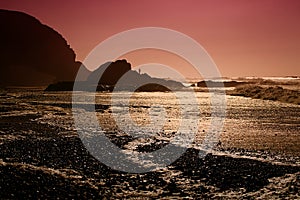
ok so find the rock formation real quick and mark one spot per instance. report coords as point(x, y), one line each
point(32, 53)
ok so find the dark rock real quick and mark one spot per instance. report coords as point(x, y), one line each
point(218, 83)
point(227, 172)
point(268, 93)
point(109, 73)
point(60, 86)
point(118, 76)
point(32, 53)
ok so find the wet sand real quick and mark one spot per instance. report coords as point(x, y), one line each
point(43, 157)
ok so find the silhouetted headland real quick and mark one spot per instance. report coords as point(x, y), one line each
point(119, 76)
point(33, 54)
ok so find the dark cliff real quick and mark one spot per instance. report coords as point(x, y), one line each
point(32, 53)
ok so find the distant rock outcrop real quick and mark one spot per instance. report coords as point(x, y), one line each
point(32, 53)
point(119, 76)
point(268, 93)
point(210, 83)
point(109, 73)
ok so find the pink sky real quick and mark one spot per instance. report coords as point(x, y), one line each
point(244, 38)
